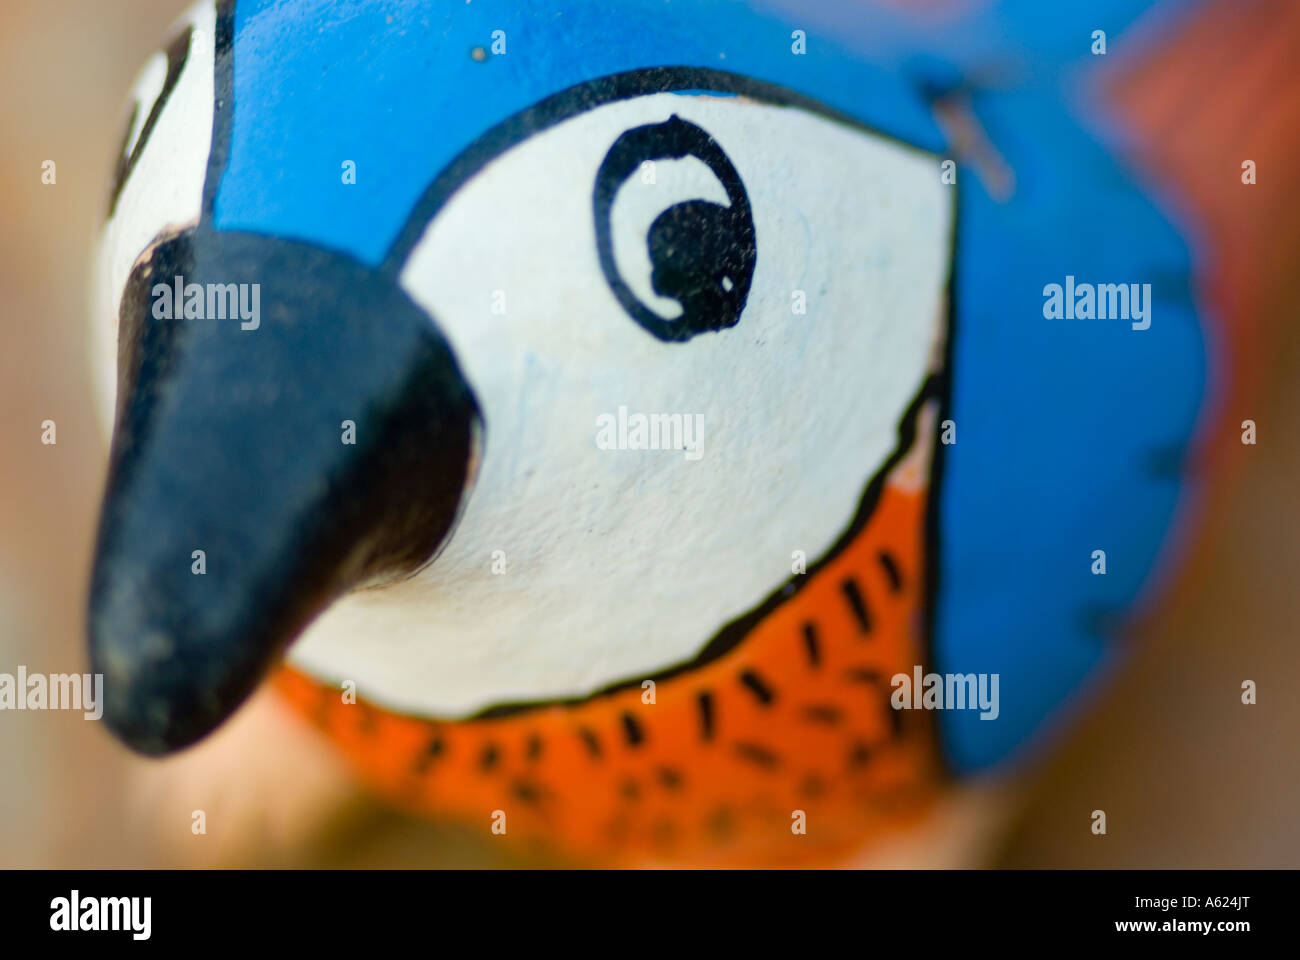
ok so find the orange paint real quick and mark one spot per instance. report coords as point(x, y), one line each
point(827, 742)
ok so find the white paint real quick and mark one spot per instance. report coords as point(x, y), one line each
point(144, 94)
point(164, 192)
point(622, 563)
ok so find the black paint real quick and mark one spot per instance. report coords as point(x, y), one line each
point(590, 740)
point(755, 685)
point(632, 731)
point(705, 703)
point(178, 52)
point(702, 253)
point(812, 646)
point(546, 114)
point(853, 594)
point(890, 566)
point(758, 754)
point(229, 441)
point(670, 778)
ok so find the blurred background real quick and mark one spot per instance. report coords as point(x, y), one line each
point(1187, 775)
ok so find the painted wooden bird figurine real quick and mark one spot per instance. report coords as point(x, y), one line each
point(677, 432)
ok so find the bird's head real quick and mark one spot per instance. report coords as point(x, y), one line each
point(495, 354)
point(526, 404)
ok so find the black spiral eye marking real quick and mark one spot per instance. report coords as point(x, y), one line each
point(702, 253)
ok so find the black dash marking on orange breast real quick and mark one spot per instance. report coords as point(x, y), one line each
point(857, 604)
point(890, 566)
point(757, 754)
point(859, 754)
point(491, 754)
point(863, 675)
point(866, 675)
point(670, 778)
point(431, 752)
point(811, 644)
point(589, 738)
point(812, 786)
point(757, 687)
point(527, 792)
point(632, 730)
point(826, 713)
point(534, 749)
point(631, 790)
point(705, 701)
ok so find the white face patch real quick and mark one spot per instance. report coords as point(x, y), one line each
point(164, 189)
point(622, 562)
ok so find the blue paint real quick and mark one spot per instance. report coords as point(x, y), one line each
point(1061, 424)
point(318, 82)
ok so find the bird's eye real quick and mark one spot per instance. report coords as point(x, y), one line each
point(152, 90)
point(701, 253)
point(720, 258)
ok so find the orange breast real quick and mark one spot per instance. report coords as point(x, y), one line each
point(791, 725)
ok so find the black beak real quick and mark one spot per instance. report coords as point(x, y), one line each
point(231, 440)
